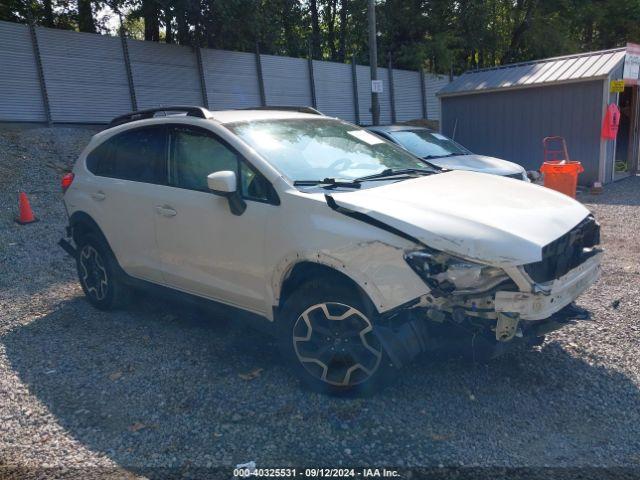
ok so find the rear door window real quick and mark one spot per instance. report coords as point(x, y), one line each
point(139, 155)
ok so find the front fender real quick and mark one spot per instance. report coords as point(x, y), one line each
point(379, 269)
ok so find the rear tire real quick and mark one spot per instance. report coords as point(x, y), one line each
point(99, 274)
point(326, 336)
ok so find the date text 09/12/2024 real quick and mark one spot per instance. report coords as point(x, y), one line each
point(315, 472)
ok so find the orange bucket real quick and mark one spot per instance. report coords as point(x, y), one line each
point(562, 176)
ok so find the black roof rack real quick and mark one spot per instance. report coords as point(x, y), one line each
point(287, 108)
point(191, 111)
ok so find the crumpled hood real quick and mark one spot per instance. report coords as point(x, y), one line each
point(478, 163)
point(494, 220)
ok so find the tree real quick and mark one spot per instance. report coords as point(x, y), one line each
point(329, 21)
point(47, 10)
point(151, 15)
point(316, 47)
point(168, 21)
point(342, 38)
point(86, 22)
point(523, 15)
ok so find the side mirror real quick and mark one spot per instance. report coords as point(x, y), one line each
point(225, 184)
point(222, 183)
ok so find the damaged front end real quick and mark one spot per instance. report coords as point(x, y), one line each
point(446, 275)
point(491, 308)
point(414, 332)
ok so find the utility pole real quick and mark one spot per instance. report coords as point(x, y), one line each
point(373, 60)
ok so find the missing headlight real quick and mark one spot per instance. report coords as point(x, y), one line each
point(445, 274)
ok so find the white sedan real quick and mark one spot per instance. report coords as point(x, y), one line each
point(443, 152)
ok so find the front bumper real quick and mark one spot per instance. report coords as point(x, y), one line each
point(562, 291)
point(529, 316)
point(417, 335)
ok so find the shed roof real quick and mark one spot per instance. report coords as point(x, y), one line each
point(549, 71)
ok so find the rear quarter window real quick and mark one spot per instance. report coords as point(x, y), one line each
point(98, 157)
point(138, 155)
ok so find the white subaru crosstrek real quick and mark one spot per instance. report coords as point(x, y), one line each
point(357, 253)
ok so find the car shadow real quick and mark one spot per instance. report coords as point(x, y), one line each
point(164, 385)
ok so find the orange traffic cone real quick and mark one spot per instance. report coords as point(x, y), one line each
point(26, 215)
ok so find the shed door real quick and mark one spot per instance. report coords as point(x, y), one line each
point(627, 140)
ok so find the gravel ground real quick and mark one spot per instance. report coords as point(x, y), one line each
point(162, 385)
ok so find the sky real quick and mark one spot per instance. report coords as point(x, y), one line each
point(112, 22)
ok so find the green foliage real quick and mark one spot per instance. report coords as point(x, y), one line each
point(437, 35)
point(134, 27)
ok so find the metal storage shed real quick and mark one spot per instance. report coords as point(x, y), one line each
point(506, 111)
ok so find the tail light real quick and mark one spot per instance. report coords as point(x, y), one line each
point(66, 181)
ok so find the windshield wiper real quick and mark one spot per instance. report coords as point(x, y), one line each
point(394, 172)
point(443, 156)
point(327, 183)
point(355, 183)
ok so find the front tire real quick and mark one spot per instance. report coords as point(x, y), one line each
point(328, 337)
point(99, 275)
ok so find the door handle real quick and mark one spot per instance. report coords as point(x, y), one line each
point(99, 195)
point(166, 211)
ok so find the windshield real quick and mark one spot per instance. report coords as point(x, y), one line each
point(315, 149)
point(426, 144)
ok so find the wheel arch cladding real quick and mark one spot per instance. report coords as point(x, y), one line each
point(82, 223)
point(301, 272)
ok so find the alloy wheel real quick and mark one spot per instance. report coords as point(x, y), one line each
point(93, 274)
point(335, 343)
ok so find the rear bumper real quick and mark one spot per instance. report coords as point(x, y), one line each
point(562, 291)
